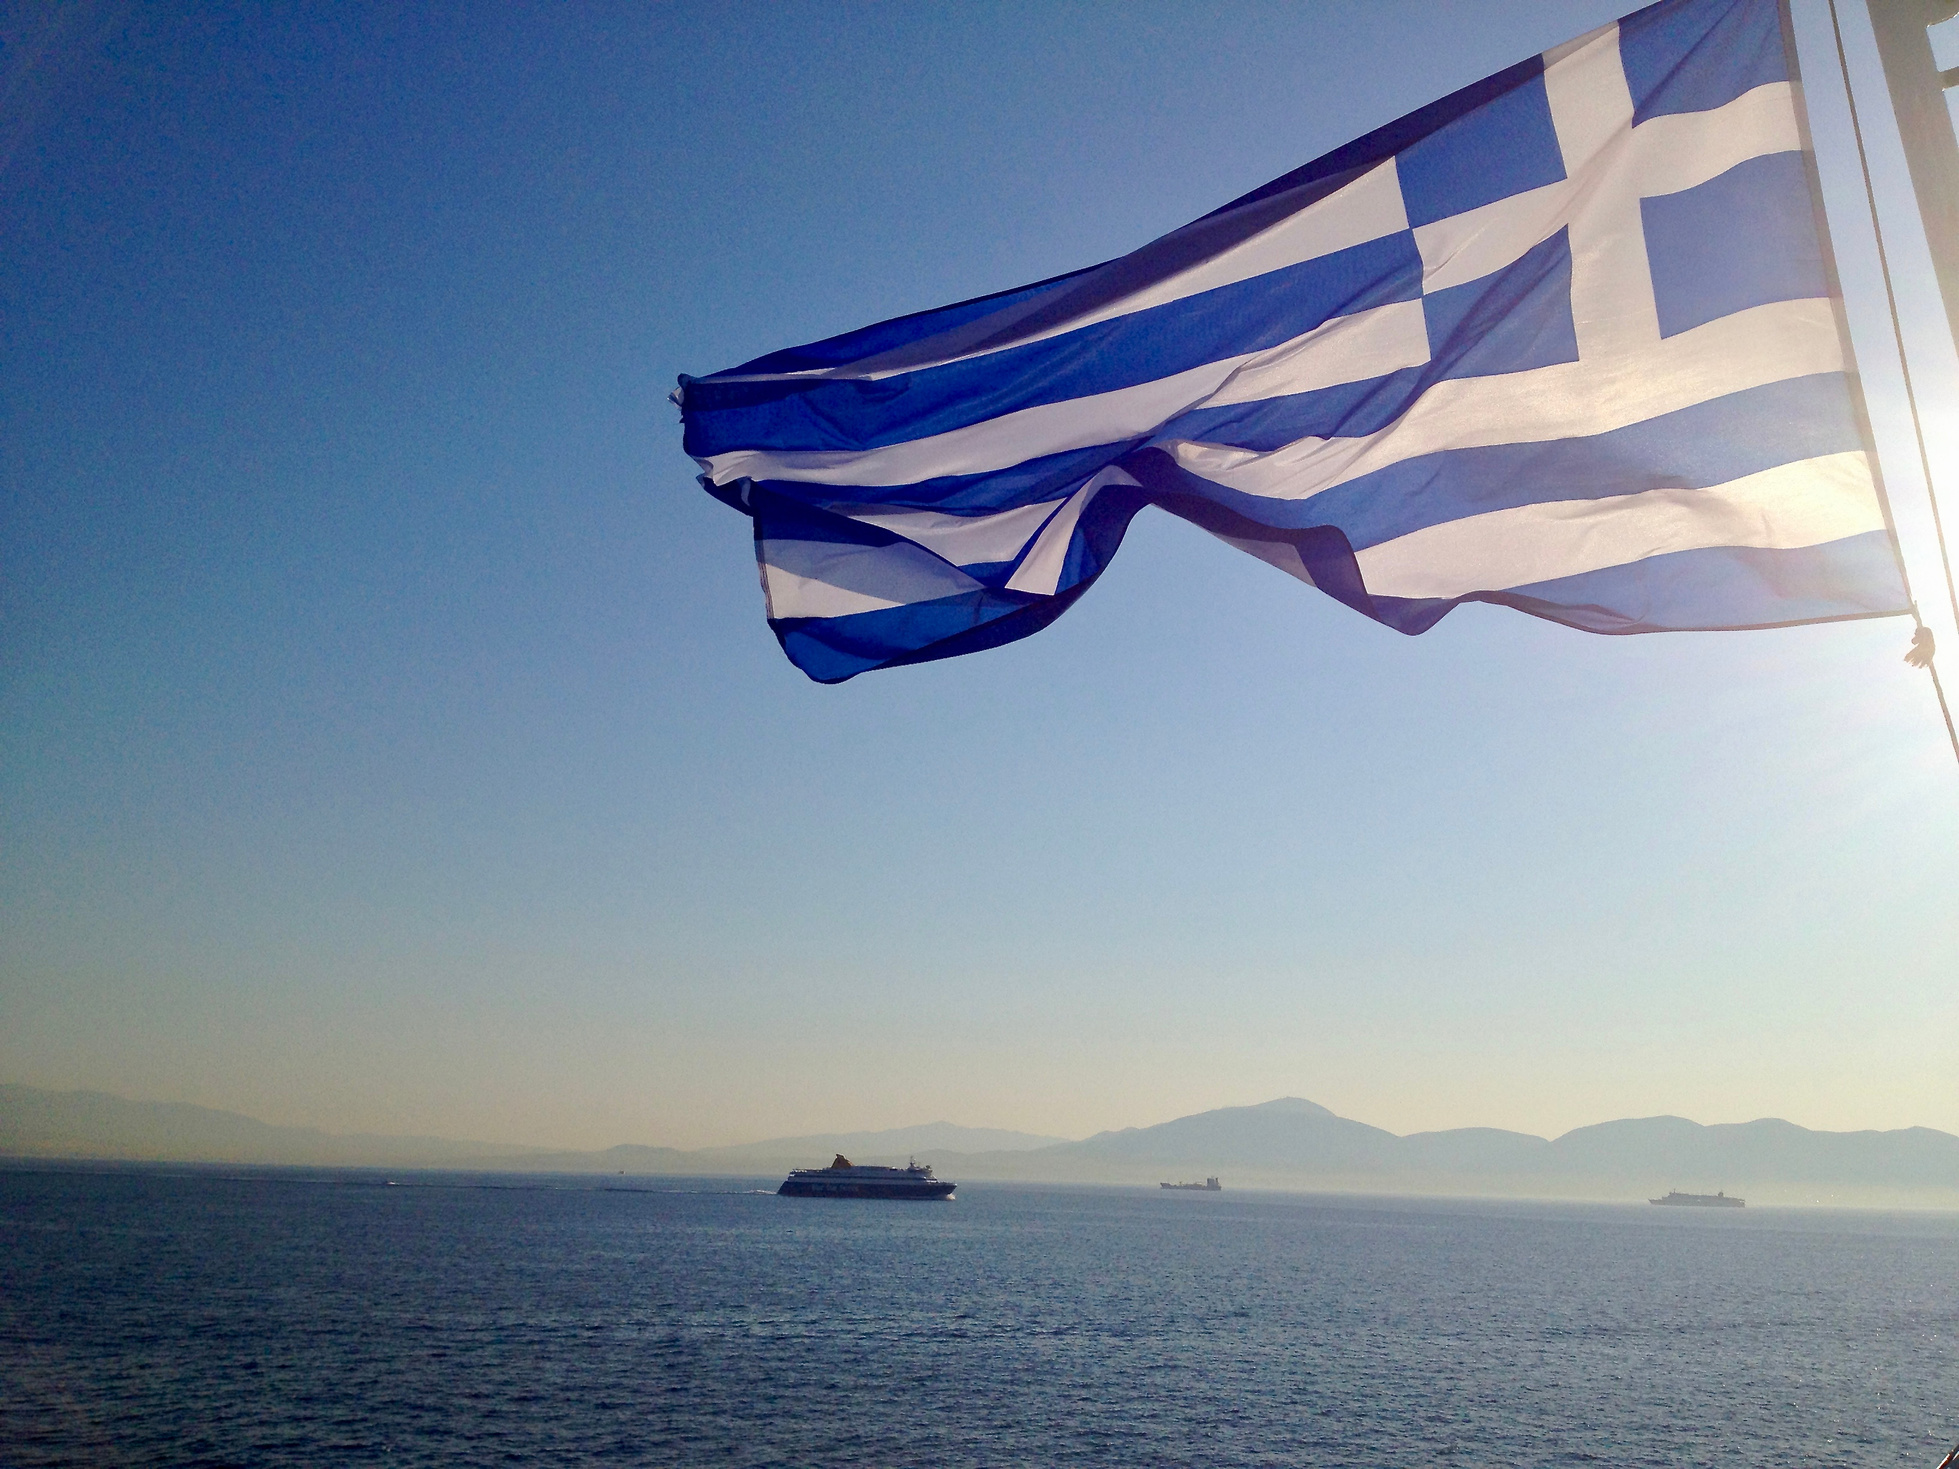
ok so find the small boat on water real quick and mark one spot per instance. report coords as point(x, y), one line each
point(844, 1179)
point(1699, 1201)
point(1208, 1186)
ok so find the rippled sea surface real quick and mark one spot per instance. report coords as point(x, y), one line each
point(152, 1316)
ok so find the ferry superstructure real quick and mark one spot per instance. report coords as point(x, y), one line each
point(844, 1179)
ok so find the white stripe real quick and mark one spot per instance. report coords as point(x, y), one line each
point(1683, 150)
point(1479, 242)
point(1346, 349)
point(790, 595)
point(1041, 571)
point(1793, 505)
point(964, 540)
point(829, 579)
point(1764, 344)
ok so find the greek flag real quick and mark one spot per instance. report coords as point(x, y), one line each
point(1568, 340)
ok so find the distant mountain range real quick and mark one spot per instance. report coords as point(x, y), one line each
point(1288, 1143)
point(47, 1124)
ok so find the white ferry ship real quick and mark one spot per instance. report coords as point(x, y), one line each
point(844, 1179)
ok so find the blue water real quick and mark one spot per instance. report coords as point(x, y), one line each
point(181, 1317)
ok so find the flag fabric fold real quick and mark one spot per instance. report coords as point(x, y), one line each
point(1568, 340)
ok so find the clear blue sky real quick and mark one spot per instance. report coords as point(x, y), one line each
point(390, 737)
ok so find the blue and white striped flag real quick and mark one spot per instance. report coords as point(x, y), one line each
point(1568, 340)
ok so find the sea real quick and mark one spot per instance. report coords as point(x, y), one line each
point(211, 1317)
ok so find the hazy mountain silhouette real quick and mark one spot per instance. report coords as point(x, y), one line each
point(1290, 1133)
point(926, 1137)
point(84, 1124)
point(1290, 1143)
point(1767, 1148)
point(778, 1155)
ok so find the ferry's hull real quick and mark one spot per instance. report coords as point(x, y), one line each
point(859, 1188)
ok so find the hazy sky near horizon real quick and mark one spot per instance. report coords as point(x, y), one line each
point(391, 740)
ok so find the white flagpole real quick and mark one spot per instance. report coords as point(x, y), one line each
point(1932, 138)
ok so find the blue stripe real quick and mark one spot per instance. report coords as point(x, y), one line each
point(832, 649)
point(1723, 587)
point(1693, 55)
point(781, 516)
point(1743, 238)
point(1350, 410)
point(1246, 316)
point(1515, 319)
point(1706, 444)
point(1512, 320)
point(1716, 588)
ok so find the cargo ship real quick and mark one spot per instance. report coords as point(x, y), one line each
point(844, 1179)
point(1700, 1201)
point(1208, 1186)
